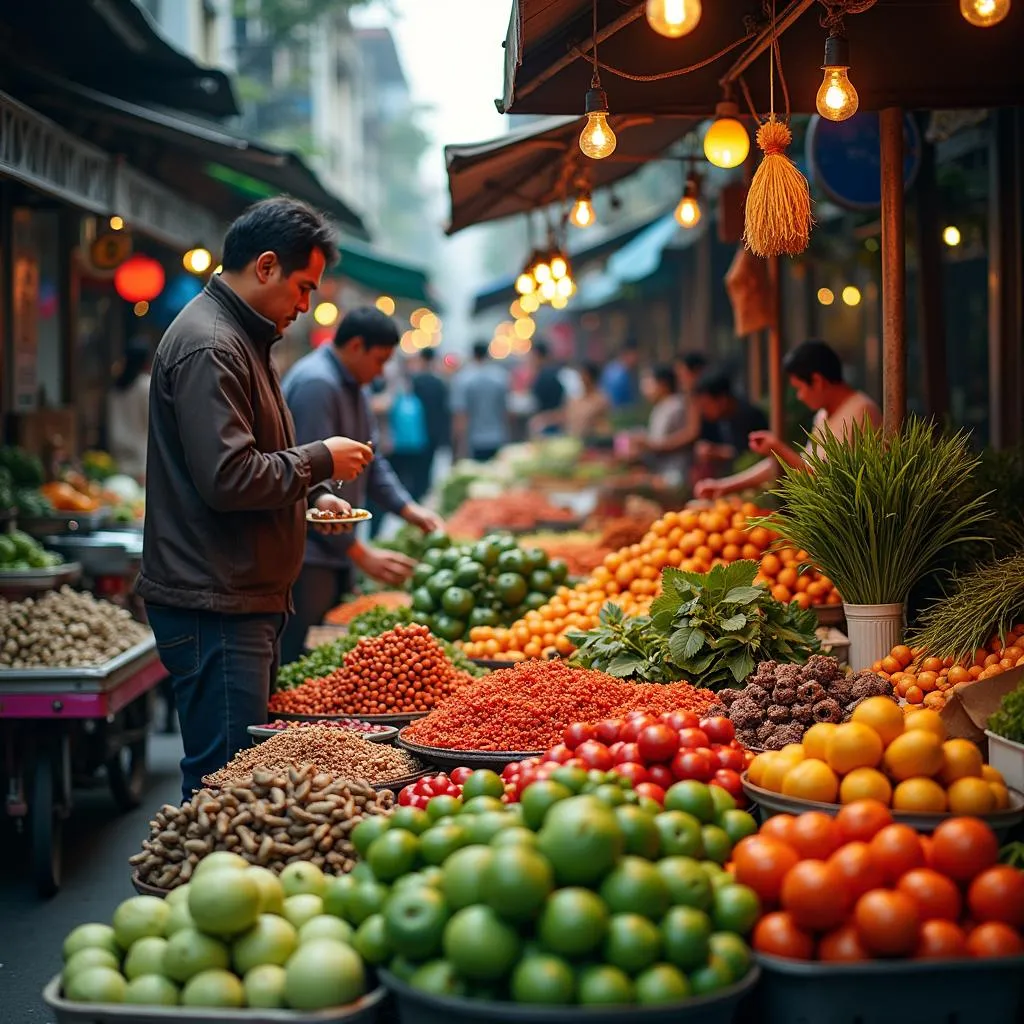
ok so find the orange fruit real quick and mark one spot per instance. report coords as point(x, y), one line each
point(916, 752)
point(854, 745)
point(928, 721)
point(865, 784)
point(782, 594)
point(1002, 795)
point(881, 714)
point(919, 795)
point(902, 654)
point(777, 770)
point(932, 665)
point(811, 779)
point(816, 740)
point(757, 768)
point(990, 774)
point(788, 577)
point(960, 759)
point(971, 796)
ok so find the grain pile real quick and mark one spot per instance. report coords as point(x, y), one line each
point(335, 751)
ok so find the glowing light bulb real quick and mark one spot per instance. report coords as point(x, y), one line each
point(851, 295)
point(548, 290)
point(825, 296)
point(197, 261)
point(582, 213)
point(688, 211)
point(542, 273)
point(559, 302)
point(726, 142)
point(951, 235)
point(116, 223)
point(525, 284)
point(529, 303)
point(564, 287)
point(673, 18)
point(984, 13)
point(559, 268)
point(386, 304)
point(837, 99)
point(597, 140)
point(325, 314)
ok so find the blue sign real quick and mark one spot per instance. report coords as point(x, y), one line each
point(845, 158)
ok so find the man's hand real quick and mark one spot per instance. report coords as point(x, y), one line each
point(423, 518)
point(708, 489)
point(332, 503)
point(384, 566)
point(764, 442)
point(704, 450)
point(350, 457)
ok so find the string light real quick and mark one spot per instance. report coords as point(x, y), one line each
point(529, 303)
point(564, 288)
point(325, 314)
point(542, 273)
point(951, 235)
point(688, 211)
point(826, 296)
point(116, 223)
point(673, 18)
point(597, 140)
point(851, 295)
point(559, 302)
point(525, 284)
point(386, 305)
point(548, 290)
point(837, 99)
point(559, 267)
point(582, 213)
point(984, 13)
point(197, 261)
point(726, 142)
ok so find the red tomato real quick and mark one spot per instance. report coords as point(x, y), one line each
point(459, 775)
point(634, 725)
point(856, 868)
point(994, 939)
point(693, 738)
point(997, 894)
point(814, 835)
point(577, 733)
point(626, 753)
point(730, 781)
point(560, 752)
point(718, 728)
point(607, 730)
point(762, 863)
point(405, 797)
point(651, 792)
point(842, 946)
point(683, 720)
point(576, 762)
point(936, 896)
point(615, 747)
point(727, 757)
point(595, 755)
point(660, 775)
point(777, 934)
point(963, 847)
point(689, 764)
point(511, 770)
point(420, 801)
point(636, 773)
point(814, 895)
point(896, 850)
point(888, 923)
point(779, 826)
point(658, 743)
point(940, 940)
point(862, 820)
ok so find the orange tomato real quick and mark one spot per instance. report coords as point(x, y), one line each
point(815, 835)
point(963, 847)
point(994, 939)
point(777, 934)
point(862, 820)
point(940, 940)
point(813, 894)
point(887, 923)
point(936, 896)
point(896, 850)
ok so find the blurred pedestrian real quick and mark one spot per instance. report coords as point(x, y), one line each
point(479, 403)
point(128, 410)
point(433, 391)
point(667, 418)
point(547, 388)
point(584, 415)
point(727, 423)
point(619, 379)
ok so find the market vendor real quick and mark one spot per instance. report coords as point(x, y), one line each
point(816, 375)
point(327, 391)
point(227, 487)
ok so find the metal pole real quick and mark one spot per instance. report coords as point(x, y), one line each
point(894, 271)
point(776, 389)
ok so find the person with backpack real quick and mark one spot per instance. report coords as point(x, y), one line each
point(330, 386)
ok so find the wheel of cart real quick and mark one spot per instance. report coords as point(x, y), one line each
point(127, 743)
point(49, 804)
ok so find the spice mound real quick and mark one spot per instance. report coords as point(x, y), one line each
point(271, 818)
point(335, 751)
point(529, 706)
point(781, 702)
point(401, 671)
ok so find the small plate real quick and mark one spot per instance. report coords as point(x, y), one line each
point(359, 515)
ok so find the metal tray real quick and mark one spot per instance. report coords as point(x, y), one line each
point(775, 803)
point(444, 758)
point(261, 732)
point(363, 1011)
point(397, 720)
point(492, 664)
point(66, 522)
point(34, 580)
point(98, 677)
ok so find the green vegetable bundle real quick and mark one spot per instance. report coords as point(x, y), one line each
point(1008, 721)
point(26, 470)
point(711, 629)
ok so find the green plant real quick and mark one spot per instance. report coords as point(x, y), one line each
point(1008, 721)
point(876, 513)
point(712, 629)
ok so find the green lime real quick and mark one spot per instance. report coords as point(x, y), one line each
point(634, 885)
point(326, 927)
point(483, 616)
point(303, 907)
point(694, 798)
point(432, 875)
point(443, 806)
point(469, 574)
point(337, 891)
point(717, 875)
point(90, 956)
point(411, 819)
point(712, 977)
point(96, 985)
point(688, 884)
point(737, 824)
point(151, 990)
point(536, 558)
point(437, 540)
point(572, 922)
point(517, 882)
point(367, 830)
point(190, 952)
point(515, 836)
point(271, 940)
point(735, 908)
point(559, 570)
point(264, 987)
point(301, 878)
point(480, 945)
point(486, 553)
point(323, 973)
point(448, 628)
point(371, 941)
point(457, 602)
point(365, 899)
point(542, 581)
point(632, 943)
point(439, 583)
point(717, 844)
point(272, 892)
point(513, 561)
point(686, 932)
point(642, 837)
point(213, 988)
point(483, 782)
point(611, 794)
point(680, 834)
point(482, 828)
point(464, 873)
point(393, 854)
point(661, 984)
point(423, 600)
point(543, 979)
point(414, 880)
point(538, 798)
point(481, 804)
point(731, 950)
point(723, 801)
point(534, 601)
point(441, 841)
point(570, 776)
point(582, 840)
point(414, 922)
point(510, 589)
point(362, 872)
point(603, 985)
point(421, 574)
point(437, 978)
point(143, 916)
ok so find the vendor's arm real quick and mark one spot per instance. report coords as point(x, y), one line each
point(763, 472)
point(764, 442)
point(384, 487)
point(682, 438)
point(390, 567)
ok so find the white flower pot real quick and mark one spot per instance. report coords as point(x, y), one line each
point(874, 630)
point(1007, 757)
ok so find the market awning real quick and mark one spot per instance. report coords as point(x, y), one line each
point(194, 156)
point(915, 55)
point(377, 272)
point(540, 164)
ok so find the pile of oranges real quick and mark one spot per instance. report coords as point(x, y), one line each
point(924, 680)
point(903, 761)
point(692, 540)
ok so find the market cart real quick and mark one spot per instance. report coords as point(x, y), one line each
point(56, 724)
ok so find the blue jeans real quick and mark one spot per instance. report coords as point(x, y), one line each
point(221, 668)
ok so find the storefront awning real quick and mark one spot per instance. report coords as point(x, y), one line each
point(373, 270)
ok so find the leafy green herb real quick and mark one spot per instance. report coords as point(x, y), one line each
point(711, 629)
point(1008, 721)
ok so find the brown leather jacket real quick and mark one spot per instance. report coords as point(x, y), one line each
point(226, 485)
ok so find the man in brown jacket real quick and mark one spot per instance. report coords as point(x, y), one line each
point(227, 488)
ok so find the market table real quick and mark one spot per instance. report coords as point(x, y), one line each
point(54, 720)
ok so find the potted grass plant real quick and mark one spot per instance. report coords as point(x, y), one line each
point(876, 513)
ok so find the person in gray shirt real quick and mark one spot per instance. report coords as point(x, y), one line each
point(479, 404)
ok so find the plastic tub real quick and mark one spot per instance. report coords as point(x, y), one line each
point(1008, 758)
point(415, 1007)
point(873, 629)
point(892, 992)
point(362, 1011)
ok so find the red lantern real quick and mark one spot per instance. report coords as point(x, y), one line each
point(139, 279)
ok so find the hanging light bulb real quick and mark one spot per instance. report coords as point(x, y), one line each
point(559, 266)
point(548, 290)
point(688, 211)
point(525, 283)
point(726, 142)
point(984, 13)
point(837, 98)
point(542, 271)
point(565, 287)
point(582, 213)
point(673, 18)
point(597, 140)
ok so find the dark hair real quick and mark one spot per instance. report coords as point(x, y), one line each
point(136, 358)
point(428, 354)
point(591, 370)
point(715, 384)
point(666, 376)
point(284, 226)
point(376, 329)
point(480, 349)
point(693, 361)
point(541, 349)
point(813, 357)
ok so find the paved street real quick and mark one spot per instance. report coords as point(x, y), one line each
point(97, 844)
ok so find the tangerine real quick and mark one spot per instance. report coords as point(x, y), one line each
point(816, 740)
point(811, 779)
point(960, 759)
point(865, 784)
point(925, 721)
point(854, 745)
point(971, 796)
point(922, 795)
point(881, 714)
point(915, 752)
